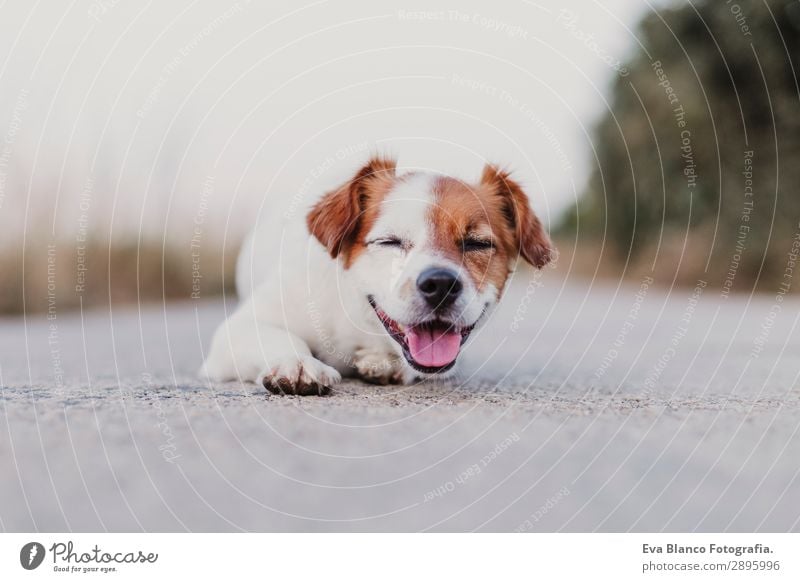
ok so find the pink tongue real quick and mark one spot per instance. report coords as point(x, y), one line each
point(433, 348)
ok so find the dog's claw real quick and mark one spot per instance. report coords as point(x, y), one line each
point(300, 376)
point(287, 388)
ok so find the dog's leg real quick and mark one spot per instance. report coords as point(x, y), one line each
point(243, 349)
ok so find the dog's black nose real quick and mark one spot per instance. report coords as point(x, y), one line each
point(440, 287)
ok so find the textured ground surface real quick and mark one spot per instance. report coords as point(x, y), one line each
point(598, 410)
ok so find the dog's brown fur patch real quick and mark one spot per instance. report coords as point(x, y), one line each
point(342, 217)
point(531, 241)
point(461, 211)
point(495, 209)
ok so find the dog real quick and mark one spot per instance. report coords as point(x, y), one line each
point(385, 279)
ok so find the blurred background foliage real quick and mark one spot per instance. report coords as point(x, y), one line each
point(734, 69)
point(43, 276)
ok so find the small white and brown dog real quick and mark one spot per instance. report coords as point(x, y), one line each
point(384, 280)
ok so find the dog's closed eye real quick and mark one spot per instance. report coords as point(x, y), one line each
point(388, 241)
point(470, 244)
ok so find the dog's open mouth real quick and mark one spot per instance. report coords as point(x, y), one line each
point(430, 346)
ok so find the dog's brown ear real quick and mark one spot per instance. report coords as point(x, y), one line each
point(335, 218)
point(532, 242)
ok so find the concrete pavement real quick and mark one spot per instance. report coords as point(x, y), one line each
point(580, 408)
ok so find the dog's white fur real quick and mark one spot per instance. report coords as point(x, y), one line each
point(304, 318)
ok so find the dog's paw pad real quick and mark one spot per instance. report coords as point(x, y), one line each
point(302, 376)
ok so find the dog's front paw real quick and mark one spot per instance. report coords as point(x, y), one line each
point(301, 375)
point(378, 366)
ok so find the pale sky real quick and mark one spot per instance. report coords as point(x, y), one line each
point(160, 112)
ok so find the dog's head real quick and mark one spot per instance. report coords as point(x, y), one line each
point(431, 254)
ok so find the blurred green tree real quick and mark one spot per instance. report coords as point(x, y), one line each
point(702, 145)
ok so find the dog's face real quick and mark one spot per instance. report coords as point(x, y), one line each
point(431, 254)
